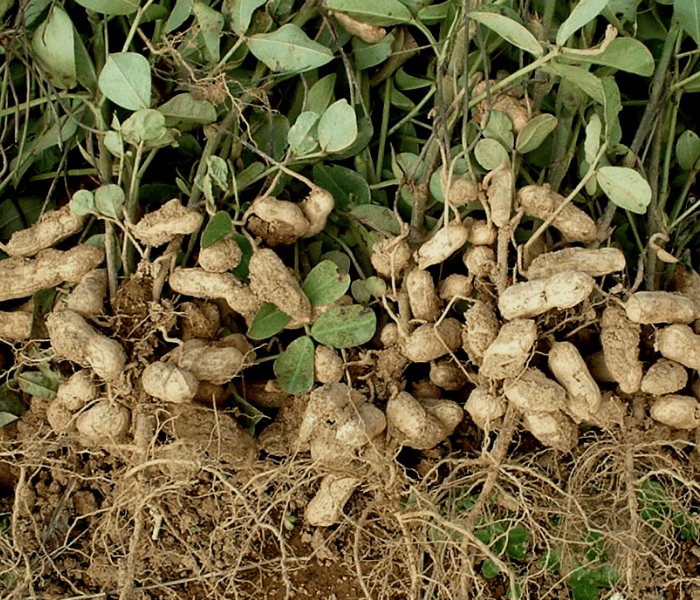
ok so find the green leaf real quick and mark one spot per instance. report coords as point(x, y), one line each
point(217, 169)
point(294, 368)
point(242, 13)
point(83, 203)
point(248, 175)
point(321, 94)
point(325, 284)
point(535, 132)
point(380, 218)
point(374, 12)
point(268, 321)
point(509, 30)
point(289, 49)
point(688, 149)
point(359, 291)
point(518, 538)
point(184, 110)
point(585, 81)
point(11, 401)
point(500, 128)
point(210, 23)
point(84, 67)
point(7, 418)
point(347, 186)
point(241, 271)
point(591, 144)
point(490, 569)
point(179, 14)
point(345, 326)
point(126, 80)
point(407, 82)
point(490, 154)
point(111, 7)
point(53, 44)
point(584, 12)
point(217, 229)
point(337, 128)
point(688, 14)
point(626, 54)
point(144, 126)
point(583, 585)
point(109, 200)
point(625, 187)
point(38, 384)
point(302, 136)
point(370, 55)
point(114, 143)
point(364, 289)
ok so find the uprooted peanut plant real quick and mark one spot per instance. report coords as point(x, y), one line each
point(349, 299)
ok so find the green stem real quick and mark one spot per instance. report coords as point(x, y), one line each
point(135, 25)
point(513, 77)
point(229, 54)
point(388, 86)
point(657, 88)
point(663, 190)
point(684, 82)
point(414, 111)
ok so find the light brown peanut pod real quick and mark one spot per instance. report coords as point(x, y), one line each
point(480, 261)
point(421, 425)
point(455, 285)
point(533, 391)
point(481, 233)
point(570, 370)
point(15, 326)
point(198, 283)
point(679, 343)
point(507, 355)
point(447, 375)
point(221, 256)
point(442, 245)
point(209, 362)
point(620, 340)
point(370, 34)
point(593, 262)
point(165, 381)
point(422, 296)
point(462, 191)
point(104, 420)
point(664, 377)
point(429, 342)
point(326, 507)
point(77, 391)
point(660, 307)
point(541, 202)
point(74, 339)
point(163, 225)
point(316, 208)
point(485, 408)
point(553, 429)
point(532, 298)
point(281, 214)
point(87, 298)
point(54, 226)
point(271, 281)
point(22, 277)
point(499, 191)
point(391, 257)
point(480, 331)
point(328, 366)
point(674, 410)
